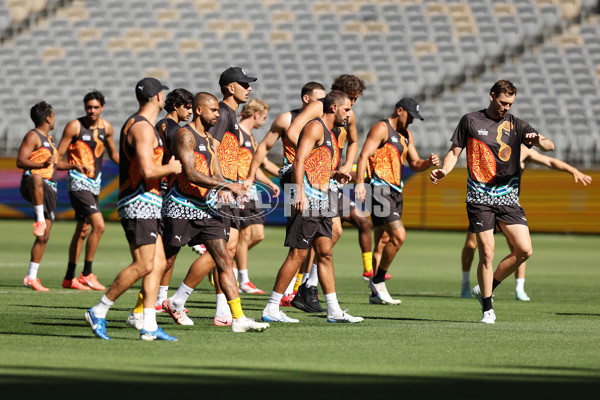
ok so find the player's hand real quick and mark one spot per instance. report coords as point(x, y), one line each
point(532, 138)
point(50, 161)
point(247, 183)
point(274, 188)
point(359, 192)
point(352, 176)
point(300, 201)
point(583, 178)
point(241, 200)
point(346, 170)
point(341, 177)
point(225, 196)
point(433, 159)
point(81, 168)
point(436, 175)
point(237, 188)
point(175, 165)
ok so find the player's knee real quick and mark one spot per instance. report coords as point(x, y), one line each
point(43, 239)
point(260, 236)
point(397, 238)
point(487, 256)
point(37, 179)
point(297, 255)
point(363, 224)
point(85, 231)
point(337, 230)
point(471, 245)
point(469, 249)
point(99, 228)
point(524, 253)
point(146, 268)
point(336, 236)
point(326, 258)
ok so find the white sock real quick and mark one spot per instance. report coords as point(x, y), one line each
point(181, 296)
point(305, 276)
point(243, 274)
point(223, 309)
point(39, 213)
point(333, 307)
point(273, 304)
point(313, 278)
point(101, 309)
point(465, 277)
point(150, 324)
point(163, 293)
point(290, 289)
point(235, 273)
point(33, 269)
point(520, 284)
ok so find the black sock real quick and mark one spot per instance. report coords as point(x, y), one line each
point(495, 284)
point(380, 276)
point(87, 268)
point(70, 271)
point(487, 303)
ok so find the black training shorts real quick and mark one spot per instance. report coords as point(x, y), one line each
point(251, 215)
point(85, 203)
point(50, 198)
point(179, 232)
point(387, 206)
point(140, 232)
point(301, 231)
point(483, 217)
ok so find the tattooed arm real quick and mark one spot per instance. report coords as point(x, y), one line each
point(184, 150)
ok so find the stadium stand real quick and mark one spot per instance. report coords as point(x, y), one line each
point(444, 53)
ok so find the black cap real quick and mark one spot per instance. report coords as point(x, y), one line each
point(149, 87)
point(234, 74)
point(410, 105)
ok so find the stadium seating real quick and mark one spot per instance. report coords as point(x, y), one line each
point(444, 53)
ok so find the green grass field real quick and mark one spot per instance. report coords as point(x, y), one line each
point(430, 346)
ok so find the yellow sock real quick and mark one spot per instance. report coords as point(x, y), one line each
point(298, 282)
point(367, 261)
point(139, 304)
point(236, 308)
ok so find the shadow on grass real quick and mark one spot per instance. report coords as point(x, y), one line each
point(427, 295)
point(44, 335)
point(579, 314)
point(263, 383)
point(324, 317)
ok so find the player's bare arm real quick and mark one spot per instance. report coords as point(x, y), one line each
point(340, 176)
point(376, 136)
point(184, 151)
point(31, 143)
point(352, 148)
point(262, 178)
point(447, 166)
point(312, 137)
point(416, 163)
point(554, 163)
point(270, 167)
point(141, 136)
point(237, 188)
point(538, 140)
point(111, 147)
point(216, 163)
point(278, 129)
point(70, 132)
point(311, 111)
